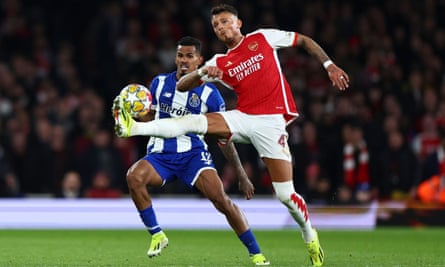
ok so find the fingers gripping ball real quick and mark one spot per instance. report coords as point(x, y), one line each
point(136, 100)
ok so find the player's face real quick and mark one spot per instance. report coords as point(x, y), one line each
point(188, 59)
point(227, 28)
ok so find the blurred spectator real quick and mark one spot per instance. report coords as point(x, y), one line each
point(307, 153)
point(318, 185)
point(354, 185)
point(427, 138)
point(131, 49)
point(39, 160)
point(129, 150)
point(399, 169)
point(9, 184)
point(62, 155)
point(90, 115)
point(432, 188)
point(101, 187)
point(102, 156)
point(10, 187)
point(71, 186)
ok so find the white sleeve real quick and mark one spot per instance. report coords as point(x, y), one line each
point(278, 38)
point(211, 62)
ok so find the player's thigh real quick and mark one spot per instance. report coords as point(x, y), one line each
point(210, 185)
point(269, 137)
point(216, 125)
point(239, 126)
point(190, 165)
point(143, 172)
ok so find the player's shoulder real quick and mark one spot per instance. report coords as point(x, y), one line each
point(276, 37)
point(163, 76)
point(268, 32)
point(162, 81)
point(167, 78)
point(262, 31)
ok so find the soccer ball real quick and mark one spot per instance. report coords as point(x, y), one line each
point(136, 99)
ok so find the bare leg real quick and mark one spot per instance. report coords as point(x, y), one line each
point(139, 176)
point(211, 187)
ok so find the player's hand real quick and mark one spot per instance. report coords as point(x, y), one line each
point(246, 186)
point(212, 72)
point(338, 77)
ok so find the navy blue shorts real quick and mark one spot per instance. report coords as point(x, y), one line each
point(185, 166)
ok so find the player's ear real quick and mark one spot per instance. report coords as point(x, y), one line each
point(201, 60)
point(239, 23)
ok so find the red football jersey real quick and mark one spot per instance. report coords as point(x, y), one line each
point(253, 71)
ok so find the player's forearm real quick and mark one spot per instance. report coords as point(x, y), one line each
point(313, 48)
point(338, 77)
point(230, 153)
point(244, 183)
point(189, 81)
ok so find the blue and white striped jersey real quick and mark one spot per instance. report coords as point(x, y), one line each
point(170, 103)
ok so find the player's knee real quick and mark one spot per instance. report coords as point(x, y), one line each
point(135, 179)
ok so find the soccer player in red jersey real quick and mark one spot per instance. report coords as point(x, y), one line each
point(265, 105)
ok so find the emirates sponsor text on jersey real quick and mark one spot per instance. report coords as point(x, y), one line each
point(246, 67)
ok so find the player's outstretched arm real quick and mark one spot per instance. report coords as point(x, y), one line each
point(338, 77)
point(189, 81)
point(244, 184)
point(193, 79)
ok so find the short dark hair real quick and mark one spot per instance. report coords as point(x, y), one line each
point(224, 8)
point(188, 40)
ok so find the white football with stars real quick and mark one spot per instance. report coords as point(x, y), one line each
point(136, 99)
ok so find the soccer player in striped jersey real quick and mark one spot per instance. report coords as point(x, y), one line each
point(265, 105)
point(186, 157)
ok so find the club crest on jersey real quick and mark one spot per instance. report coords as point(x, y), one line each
point(194, 100)
point(253, 46)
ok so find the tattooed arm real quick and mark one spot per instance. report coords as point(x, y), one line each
point(244, 184)
point(338, 77)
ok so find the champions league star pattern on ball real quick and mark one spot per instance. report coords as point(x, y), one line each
point(136, 99)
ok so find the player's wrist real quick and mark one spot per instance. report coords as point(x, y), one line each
point(327, 63)
point(200, 73)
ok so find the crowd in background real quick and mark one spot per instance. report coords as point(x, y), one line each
point(62, 63)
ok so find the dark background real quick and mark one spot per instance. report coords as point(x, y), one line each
point(62, 63)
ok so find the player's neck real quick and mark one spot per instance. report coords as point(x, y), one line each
point(235, 42)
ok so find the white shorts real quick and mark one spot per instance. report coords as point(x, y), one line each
point(267, 133)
